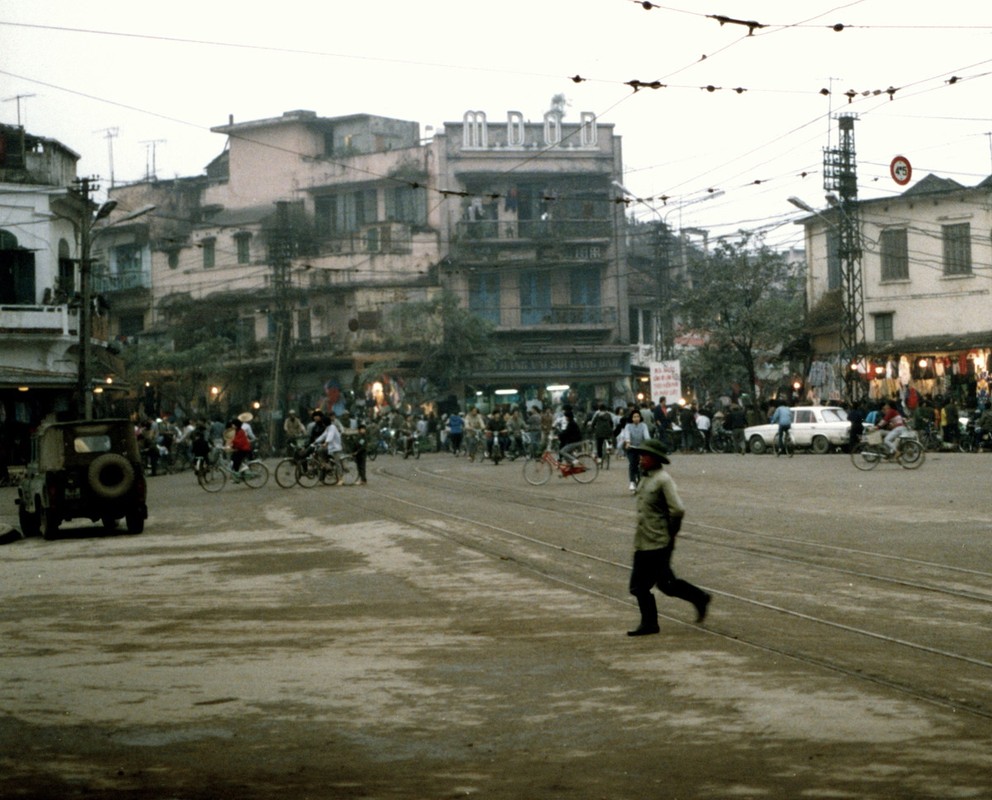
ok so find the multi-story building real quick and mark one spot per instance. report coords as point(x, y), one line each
point(39, 310)
point(925, 272)
point(515, 218)
point(535, 245)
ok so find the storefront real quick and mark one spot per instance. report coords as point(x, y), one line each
point(935, 368)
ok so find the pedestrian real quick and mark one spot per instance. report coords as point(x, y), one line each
point(634, 433)
point(659, 519)
point(360, 450)
point(736, 423)
point(456, 429)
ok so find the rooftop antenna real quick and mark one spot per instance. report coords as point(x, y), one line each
point(151, 173)
point(17, 98)
point(110, 134)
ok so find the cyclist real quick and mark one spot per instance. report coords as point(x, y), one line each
point(893, 422)
point(240, 447)
point(474, 426)
point(602, 428)
point(331, 440)
point(782, 416)
point(496, 436)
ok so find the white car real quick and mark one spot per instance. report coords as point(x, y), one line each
point(819, 428)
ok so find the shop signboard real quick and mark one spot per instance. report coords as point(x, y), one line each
point(666, 381)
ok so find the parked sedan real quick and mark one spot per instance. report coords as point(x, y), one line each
point(819, 428)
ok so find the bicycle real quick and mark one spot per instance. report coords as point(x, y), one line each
point(721, 441)
point(787, 447)
point(588, 447)
point(288, 469)
point(582, 467)
point(318, 467)
point(872, 450)
point(214, 477)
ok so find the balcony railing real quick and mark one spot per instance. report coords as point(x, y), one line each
point(121, 281)
point(39, 319)
point(488, 229)
point(568, 316)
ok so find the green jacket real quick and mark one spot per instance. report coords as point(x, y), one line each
point(657, 501)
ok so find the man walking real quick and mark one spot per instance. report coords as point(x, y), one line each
point(659, 518)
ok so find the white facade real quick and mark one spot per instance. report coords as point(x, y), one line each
point(927, 277)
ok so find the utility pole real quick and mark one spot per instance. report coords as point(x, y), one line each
point(280, 252)
point(840, 176)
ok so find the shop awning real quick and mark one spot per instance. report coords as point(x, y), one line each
point(945, 343)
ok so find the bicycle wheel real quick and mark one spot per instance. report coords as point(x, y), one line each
point(865, 457)
point(308, 473)
point(911, 455)
point(286, 473)
point(256, 476)
point(350, 471)
point(790, 447)
point(212, 478)
point(537, 471)
point(330, 473)
point(374, 452)
point(585, 469)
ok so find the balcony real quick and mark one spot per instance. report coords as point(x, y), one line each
point(121, 281)
point(561, 318)
point(486, 230)
point(39, 319)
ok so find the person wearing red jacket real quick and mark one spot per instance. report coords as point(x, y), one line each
point(240, 447)
point(893, 422)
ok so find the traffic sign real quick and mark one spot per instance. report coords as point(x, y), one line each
point(901, 170)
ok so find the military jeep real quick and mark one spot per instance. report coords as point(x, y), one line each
point(83, 470)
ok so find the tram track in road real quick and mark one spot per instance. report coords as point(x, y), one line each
point(698, 532)
point(501, 539)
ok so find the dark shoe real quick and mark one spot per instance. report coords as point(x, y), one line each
point(643, 631)
point(702, 606)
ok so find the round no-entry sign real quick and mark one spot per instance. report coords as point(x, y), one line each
point(901, 170)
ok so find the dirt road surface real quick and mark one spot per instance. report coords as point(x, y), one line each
point(450, 631)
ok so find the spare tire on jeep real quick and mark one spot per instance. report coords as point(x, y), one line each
point(110, 475)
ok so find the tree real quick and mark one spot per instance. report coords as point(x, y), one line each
point(448, 342)
point(745, 302)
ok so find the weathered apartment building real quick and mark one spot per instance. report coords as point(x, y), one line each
point(926, 272)
point(40, 228)
point(517, 219)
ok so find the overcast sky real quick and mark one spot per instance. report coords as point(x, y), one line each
point(167, 73)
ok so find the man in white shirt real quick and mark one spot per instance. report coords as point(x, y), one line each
point(331, 440)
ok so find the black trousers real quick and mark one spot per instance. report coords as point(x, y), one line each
point(654, 568)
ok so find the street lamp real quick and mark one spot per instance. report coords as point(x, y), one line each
point(86, 237)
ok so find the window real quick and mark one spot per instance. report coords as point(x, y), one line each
point(883, 327)
point(405, 204)
point(957, 248)
point(303, 325)
point(895, 255)
point(242, 242)
point(483, 296)
point(802, 415)
point(208, 246)
point(585, 293)
point(127, 259)
point(833, 260)
point(535, 297)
